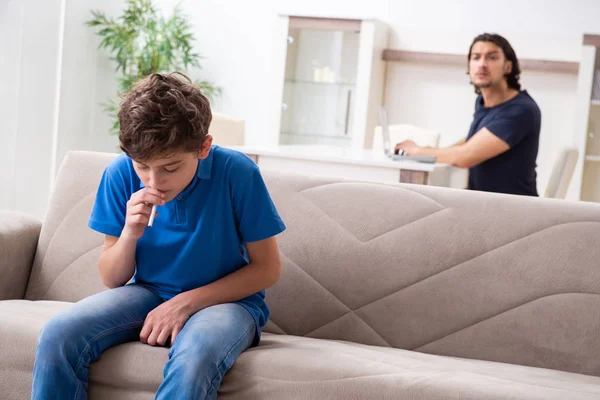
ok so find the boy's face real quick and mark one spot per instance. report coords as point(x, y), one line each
point(488, 65)
point(172, 174)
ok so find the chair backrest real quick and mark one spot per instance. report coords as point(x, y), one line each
point(562, 172)
point(401, 132)
point(226, 131)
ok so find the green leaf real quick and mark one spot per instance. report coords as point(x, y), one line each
point(141, 41)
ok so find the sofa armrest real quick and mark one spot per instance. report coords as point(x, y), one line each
point(19, 235)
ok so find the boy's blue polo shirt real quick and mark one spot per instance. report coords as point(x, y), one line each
point(198, 237)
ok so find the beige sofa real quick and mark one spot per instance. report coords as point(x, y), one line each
point(388, 291)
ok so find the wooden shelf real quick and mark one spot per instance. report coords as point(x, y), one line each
point(569, 67)
point(591, 40)
point(592, 158)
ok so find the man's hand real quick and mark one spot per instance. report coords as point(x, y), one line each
point(139, 208)
point(410, 148)
point(165, 321)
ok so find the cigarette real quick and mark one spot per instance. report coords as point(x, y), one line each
point(152, 215)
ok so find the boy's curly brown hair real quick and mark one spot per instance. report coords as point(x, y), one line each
point(163, 114)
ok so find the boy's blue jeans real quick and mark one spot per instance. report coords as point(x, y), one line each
point(203, 351)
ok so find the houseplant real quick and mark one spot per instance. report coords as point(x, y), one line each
point(142, 42)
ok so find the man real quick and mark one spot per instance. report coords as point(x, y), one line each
point(199, 272)
point(502, 145)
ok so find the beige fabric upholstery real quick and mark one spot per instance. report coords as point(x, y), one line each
point(292, 367)
point(18, 240)
point(510, 280)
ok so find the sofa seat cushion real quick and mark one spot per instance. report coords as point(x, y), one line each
point(131, 371)
point(290, 367)
point(20, 325)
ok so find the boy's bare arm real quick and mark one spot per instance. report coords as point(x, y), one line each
point(262, 272)
point(117, 262)
point(167, 320)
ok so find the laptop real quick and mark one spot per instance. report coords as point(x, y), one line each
point(387, 144)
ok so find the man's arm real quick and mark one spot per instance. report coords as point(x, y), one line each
point(481, 147)
point(460, 142)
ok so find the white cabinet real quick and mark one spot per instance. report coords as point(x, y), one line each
point(329, 85)
point(586, 179)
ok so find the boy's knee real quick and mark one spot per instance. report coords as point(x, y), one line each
point(58, 332)
point(195, 364)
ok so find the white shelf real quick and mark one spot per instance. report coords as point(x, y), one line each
point(595, 103)
point(592, 158)
point(569, 67)
point(336, 83)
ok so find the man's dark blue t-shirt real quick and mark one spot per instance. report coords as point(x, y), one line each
point(517, 122)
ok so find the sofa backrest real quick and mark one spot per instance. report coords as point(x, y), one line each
point(454, 272)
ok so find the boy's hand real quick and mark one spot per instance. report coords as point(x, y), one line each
point(139, 208)
point(164, 322)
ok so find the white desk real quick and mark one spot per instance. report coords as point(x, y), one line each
point(359, 164)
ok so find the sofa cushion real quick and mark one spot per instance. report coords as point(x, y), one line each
point(21, 322)
point(291, 367)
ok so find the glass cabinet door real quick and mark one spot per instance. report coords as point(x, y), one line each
point(319, 88)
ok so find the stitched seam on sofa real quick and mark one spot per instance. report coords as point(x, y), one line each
point(294, 264)
point(407, 224)
point(276, 326)
point(336, 379)
point(377, 184)
point(424, 279)
point(504, 312)
point(220, 367)
point(405, 355)
point(379, 235)
point(342, 316)
point(471, 259)
point(385, 375)
point(331, 219)
point(335, 297)
point(537, 385)
point(66, 268)
point(101, 335)
point(62, 221)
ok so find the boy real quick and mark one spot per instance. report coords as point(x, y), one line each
point(193, 281)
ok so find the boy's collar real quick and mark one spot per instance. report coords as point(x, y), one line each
point(205, 166)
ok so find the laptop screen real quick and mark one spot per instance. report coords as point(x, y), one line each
point(385, 132)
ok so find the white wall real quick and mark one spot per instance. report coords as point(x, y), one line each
point(29, 44)
point(87, 81)
point(236, 38)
